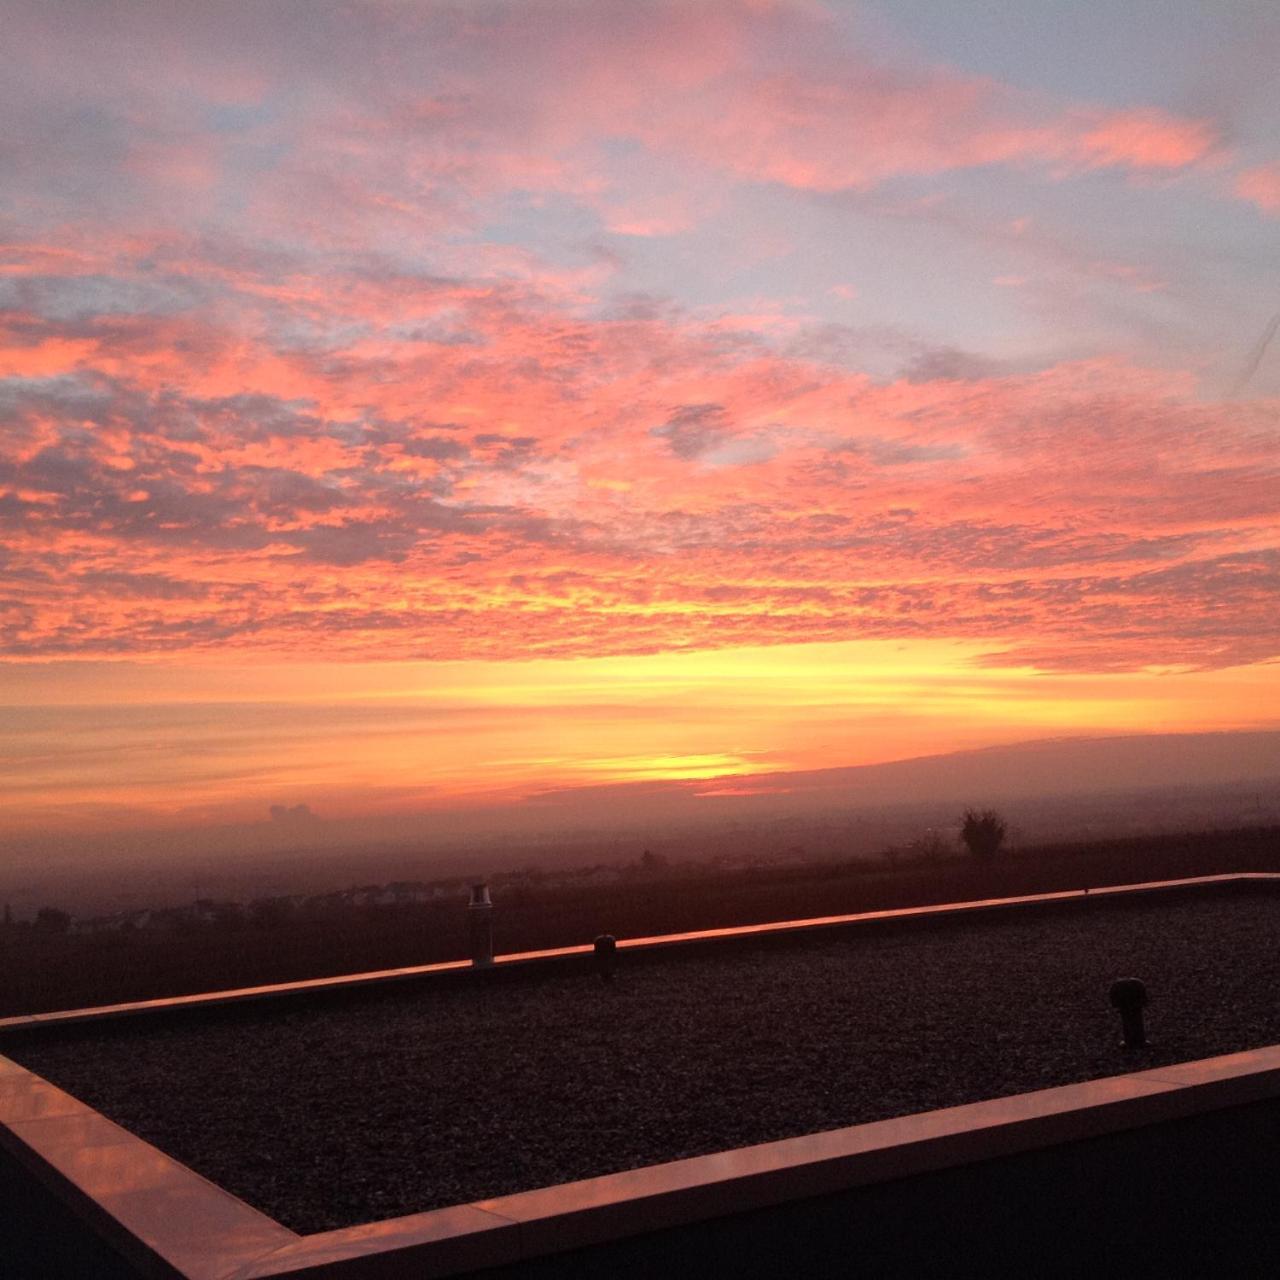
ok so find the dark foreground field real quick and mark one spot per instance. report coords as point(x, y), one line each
point(328, 1117)
point(40, 972)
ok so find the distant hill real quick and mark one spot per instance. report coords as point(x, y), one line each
point(1066, 788)
point(1058, 766)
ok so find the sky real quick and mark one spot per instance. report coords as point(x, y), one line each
point(407, 405)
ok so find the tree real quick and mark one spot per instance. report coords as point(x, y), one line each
point(269, 913)
point(983, 832)
point(931, 846)
point(51, 920)
point(652, 863)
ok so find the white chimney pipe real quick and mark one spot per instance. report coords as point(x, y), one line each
point(480, 924)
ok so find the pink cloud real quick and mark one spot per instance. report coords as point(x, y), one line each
point(460, 111)
point(1144, 139)
point(1260, 187)
point(869, 124)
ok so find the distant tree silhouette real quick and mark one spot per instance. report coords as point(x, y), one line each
point(227, 915)
point(269, 913)
point(983, 832)
point(931, 846)
point(51, 920)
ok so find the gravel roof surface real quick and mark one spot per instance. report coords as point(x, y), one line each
point(329, 1117)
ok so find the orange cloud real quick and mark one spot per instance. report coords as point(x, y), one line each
point(483, 471)
point(282, 376)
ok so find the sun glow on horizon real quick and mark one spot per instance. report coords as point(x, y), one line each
point(222, 742)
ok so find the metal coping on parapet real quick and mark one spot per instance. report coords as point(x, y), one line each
point(531, 959)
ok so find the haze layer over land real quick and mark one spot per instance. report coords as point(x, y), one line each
point(418, 407)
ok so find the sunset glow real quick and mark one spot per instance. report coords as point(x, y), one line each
point(131, 744)
point(416, 405)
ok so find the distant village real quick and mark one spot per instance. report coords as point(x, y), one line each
point(277, 910)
